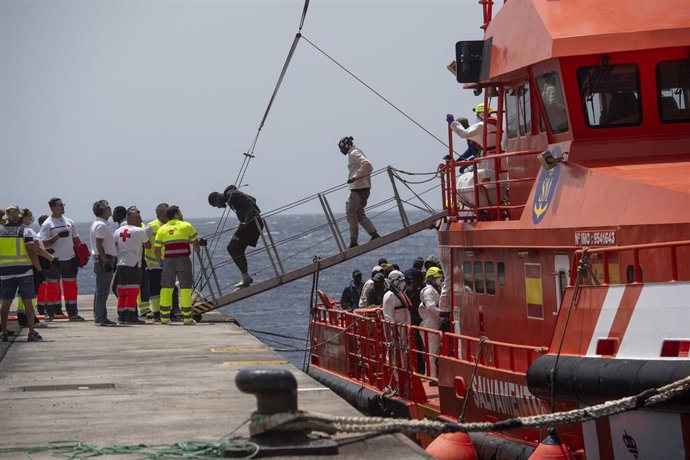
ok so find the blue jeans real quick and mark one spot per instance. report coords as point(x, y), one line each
point(104, 276)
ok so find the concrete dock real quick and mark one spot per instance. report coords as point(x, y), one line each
point(147, 384)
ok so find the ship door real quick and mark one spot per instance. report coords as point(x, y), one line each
point(561, 275)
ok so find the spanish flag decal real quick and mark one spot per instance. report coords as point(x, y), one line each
point(546, 187)
point(533, 291)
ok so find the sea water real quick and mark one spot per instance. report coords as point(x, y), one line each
point(284, 311)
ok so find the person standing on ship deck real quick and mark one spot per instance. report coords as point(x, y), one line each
point(474, 134)
point(359, 178)
point(349, 300)
point(175, 237)
point(248, 231)
point(363, 303)
point(60, 234)
point(431, 315)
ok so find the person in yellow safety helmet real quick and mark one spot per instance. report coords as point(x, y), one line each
point(17, 258)
point(176, 237)
point(431, 314)
point(474, 134)
point(154, 268)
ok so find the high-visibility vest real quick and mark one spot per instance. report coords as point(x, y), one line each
point(150, 253)
point(13, 251)
point(175, 237)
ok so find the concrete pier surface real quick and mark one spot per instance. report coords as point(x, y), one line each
point(147, 384)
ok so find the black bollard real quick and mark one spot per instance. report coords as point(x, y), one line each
point(276, 392)
point(275, 389)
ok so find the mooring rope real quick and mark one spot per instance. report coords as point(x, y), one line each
point(381, 425)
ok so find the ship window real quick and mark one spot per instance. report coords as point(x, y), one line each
point(468, 275)
point(524, 111)
point(511, 114)
point(552, 97)
point(630, 274)
point(610, 95)
point(673, 90)
point(501, 269)
point(478, 277)
point(490, 278)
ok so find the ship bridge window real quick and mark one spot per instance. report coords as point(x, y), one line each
point(673, 90)
point(554, 104)
point(468, 275)
point(610, 95)
point(524, 111)
point(511, 114)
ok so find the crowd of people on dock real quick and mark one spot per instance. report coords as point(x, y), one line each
point(142, 264)
point(404, 297)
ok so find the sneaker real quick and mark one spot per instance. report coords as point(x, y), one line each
point(353, 244)
point(3, 337)
point(40, 325)
point(34, 337)
point(48, 319)
point(246, 281)
point(76, 318)
point(106, 323)
point(135, 321)
point(375, 236)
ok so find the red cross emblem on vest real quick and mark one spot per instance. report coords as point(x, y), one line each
point(124, 235)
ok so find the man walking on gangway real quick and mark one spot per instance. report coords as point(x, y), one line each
point(359, 178)
point(247, 233)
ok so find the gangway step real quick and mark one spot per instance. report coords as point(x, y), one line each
point(204, 305)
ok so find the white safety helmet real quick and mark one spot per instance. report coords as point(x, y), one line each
point(396, 279)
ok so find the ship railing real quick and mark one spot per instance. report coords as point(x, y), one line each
point(379, 352)
point(495, 191)
point(637, 250)
point(416, 352)
point(489, 353)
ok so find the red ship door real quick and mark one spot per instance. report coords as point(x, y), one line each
point(561, 275)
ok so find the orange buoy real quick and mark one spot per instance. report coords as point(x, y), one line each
point(452, 446)
point(551, 448)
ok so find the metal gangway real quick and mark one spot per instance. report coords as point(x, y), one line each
point(209, 294)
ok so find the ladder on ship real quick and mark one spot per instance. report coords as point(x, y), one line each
point(210, 295)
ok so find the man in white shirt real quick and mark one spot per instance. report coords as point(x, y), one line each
point(59, 234)
point(104, 252)
point(130, 240)
point(359, 177)
point(475, 133)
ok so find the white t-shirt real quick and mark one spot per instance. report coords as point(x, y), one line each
point(102, 231)
point(63, 247)
point(129, 240)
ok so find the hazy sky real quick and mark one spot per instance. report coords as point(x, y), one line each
point(139, 102)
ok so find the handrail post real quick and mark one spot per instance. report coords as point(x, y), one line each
point(332, 223)
point(268, 246)
point(401, 208)
point(213, 271)
point(208, 281)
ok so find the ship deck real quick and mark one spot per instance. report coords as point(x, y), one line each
point(148, 384)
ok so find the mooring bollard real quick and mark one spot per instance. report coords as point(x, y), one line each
point(276, 392)
point(275, 389)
